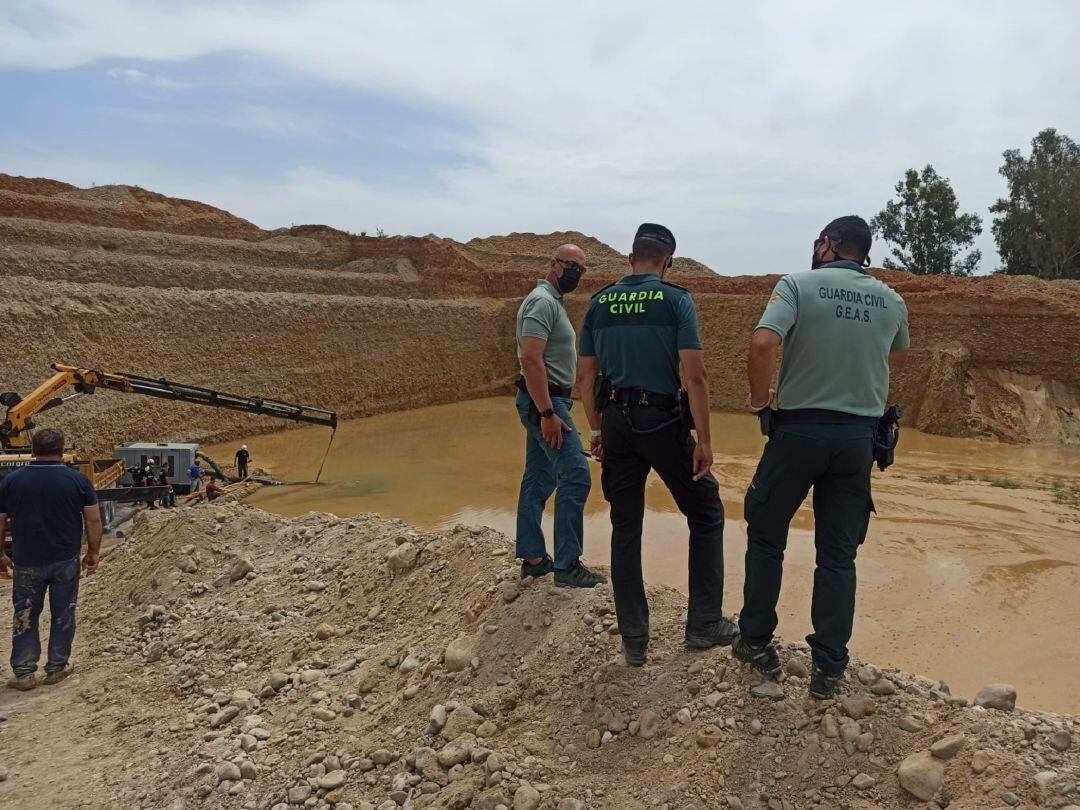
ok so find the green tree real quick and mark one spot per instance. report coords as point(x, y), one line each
point(925, 229)
point(1038, 227)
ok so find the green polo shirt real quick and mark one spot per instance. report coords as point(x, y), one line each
point(636, 327)
point(542, 315)
point(838, 326)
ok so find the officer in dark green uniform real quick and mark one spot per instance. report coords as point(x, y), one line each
point(838, 325)
point(636, 334)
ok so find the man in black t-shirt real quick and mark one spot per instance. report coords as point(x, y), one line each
point(47, 505)
point(242, 456)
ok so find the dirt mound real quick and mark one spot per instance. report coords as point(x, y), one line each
point(228, 658)
point(528, 251)
point(119, 206)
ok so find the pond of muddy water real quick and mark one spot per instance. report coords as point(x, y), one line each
point(970, 572)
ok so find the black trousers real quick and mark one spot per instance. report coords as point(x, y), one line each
point(633, 447)
point(835, 460)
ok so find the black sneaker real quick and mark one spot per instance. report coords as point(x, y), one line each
point(542, 568)
point(718, 634)
point(577, 576)
point(634, 649)
point(823, 684)
point(764, 659)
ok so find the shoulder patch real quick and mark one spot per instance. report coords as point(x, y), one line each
point(608, 287)
point(676, 286)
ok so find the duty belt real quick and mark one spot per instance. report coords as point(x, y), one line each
point(639, 396)
point(821, 416)
point(553, 389)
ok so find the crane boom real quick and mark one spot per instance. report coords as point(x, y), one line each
point(84, 381)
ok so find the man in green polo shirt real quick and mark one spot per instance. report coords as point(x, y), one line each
point(554, 461)
point(838, 326)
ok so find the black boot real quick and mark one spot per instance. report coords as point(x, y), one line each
point(718, 634)
point(823, 684)
point(634, 649)
point(764, 659)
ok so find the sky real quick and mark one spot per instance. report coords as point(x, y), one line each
point(744, 127)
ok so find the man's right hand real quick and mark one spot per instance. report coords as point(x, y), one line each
point(552, 427)
point(5, 564)
point(90, 561)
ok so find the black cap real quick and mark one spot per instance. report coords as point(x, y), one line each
point(657, 233)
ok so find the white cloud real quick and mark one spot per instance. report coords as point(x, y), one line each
point(744, 126)
point(140, 78)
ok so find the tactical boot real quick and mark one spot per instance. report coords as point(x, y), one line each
point(542, 568)
point(23, 684)
point(634, 649)
point(823, 684)
point(55, 677)
point(764, 659)
point(577, 576)
point(717, 634)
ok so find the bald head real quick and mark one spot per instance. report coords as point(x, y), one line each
point(566, 267)
point(570, 252)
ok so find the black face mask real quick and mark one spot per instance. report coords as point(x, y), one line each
point(815, 260)
point(571, 276)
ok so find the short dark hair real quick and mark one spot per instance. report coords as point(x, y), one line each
point(48, 442)
point(852, 232)
point(651, 250)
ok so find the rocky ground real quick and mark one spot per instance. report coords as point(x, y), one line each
point(229, 658)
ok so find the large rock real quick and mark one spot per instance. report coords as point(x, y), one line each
point(948, 747)
point(648, 724)
point(921, 775)
point(1061, 741)
point(462, 720)
point(858, 706)
point(459, 654)
point(403, 557)
point(526, 798)
point(1001, 696)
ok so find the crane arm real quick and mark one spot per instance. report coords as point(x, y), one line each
point(20, 412)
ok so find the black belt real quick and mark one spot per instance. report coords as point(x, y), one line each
point(821, 416)
point(643, 398)
point(553, 389)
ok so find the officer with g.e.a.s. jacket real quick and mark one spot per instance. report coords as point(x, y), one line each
point(636, 334)
point(838, 325)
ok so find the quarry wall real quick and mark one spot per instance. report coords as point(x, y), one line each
point(109, 278)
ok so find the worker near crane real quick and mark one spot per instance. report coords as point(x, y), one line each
point(48, 506)
point(242, 457)
point(838, 325)
point(554, 459)
point(195, 475)
point(640, 338)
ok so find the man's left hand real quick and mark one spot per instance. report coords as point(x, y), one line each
point(6, 565)
point(90, 561)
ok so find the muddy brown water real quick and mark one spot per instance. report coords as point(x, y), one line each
point(970, 572)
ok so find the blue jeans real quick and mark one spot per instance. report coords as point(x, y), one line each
point(566, 473)
point(28, 589)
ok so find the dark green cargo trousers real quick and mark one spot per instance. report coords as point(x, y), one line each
point(835, 460)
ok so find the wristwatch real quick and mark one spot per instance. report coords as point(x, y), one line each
point(548, 413)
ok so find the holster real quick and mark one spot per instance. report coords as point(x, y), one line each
point(601, 393)
point(887, 436)
point(767, 419)
point(686, 416)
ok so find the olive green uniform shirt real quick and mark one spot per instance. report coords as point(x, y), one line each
point(838, 325)
point(542, 315)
